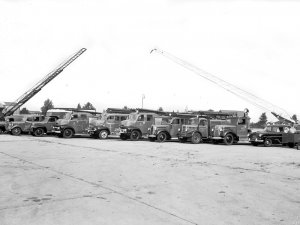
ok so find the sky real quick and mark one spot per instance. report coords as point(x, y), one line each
point(254, 45)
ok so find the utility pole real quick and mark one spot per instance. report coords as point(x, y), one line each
point(143, 97)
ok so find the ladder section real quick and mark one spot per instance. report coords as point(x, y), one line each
point(42, 83)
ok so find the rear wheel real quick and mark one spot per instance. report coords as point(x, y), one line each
point(38, 132)
point(291, 145)
point(16, 131)
point(196, 138)
point(135, 135)
point(162, 137)
point(267, 142)
point(68, 133)
point(228, 139)
point(103, 134)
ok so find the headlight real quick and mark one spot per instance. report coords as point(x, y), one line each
point(149, 129)
point(179, 129)
point(259, 135)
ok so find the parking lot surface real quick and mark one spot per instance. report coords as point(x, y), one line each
point(50, 180)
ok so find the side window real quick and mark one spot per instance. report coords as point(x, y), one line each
point(29, 119)
point(280, 129)
point(202, 123)
point(117, 118)
point(110, 118)
point(149, 117)
point(141, 118)
point(175, 121)
point(241, 121)
point(52, 119)
point(74, 117)
point(123, 118)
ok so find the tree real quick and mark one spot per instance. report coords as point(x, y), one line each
point(24, 111)
point(78, 106)
point(160, 109)
point(125, 107)
point(47, 105)
point(88, 106)
point(262, 122)
point(294, 117)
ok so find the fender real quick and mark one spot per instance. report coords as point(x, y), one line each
point(103, 128)
point(168, 134)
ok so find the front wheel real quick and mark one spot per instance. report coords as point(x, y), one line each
point(38, 132)
point(162, 137)
point(228, 139)
point(16, 131)
point(196, 138)
point(103, 134)
point(267, 142)
point(67, 133)
point(135, 135)
point(291, 145)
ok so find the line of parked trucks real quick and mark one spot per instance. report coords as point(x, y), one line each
point(224, 126)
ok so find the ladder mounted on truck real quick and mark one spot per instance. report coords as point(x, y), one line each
point(281, 114)
point(9, 110)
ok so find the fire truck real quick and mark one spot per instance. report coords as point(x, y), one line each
point(109, 123)
point(138, 123)
point(199, 128)
point(46, 126)
point(10, 109)
point(167, 128)
point(75, 122)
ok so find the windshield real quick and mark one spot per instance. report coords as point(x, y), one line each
point(133, 116)
point(193, 121)
point(67, 116)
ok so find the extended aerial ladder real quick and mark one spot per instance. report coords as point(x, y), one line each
point(9, 110)
point(281, 114)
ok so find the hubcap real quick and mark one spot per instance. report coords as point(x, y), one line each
point(103, 134)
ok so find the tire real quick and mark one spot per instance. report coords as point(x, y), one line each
point(267, 142)
point(103, 134)
point(162, 137)
point(38, 132)
point(196, 138)
point(16, 131)
point(123, 137)
point(182, 140)
point(228, 139)
point(135, 135)
point(291, 145)
point(67, 133)
point(152, 139)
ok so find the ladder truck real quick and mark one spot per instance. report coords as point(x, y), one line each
point(9, 110)
point(282, 115)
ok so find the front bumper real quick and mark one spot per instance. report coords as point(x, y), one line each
point(57, 130)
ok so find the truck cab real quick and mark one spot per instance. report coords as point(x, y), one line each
point(237, 130)
point(73, 123)
point(107, 125)
point(46, 126)
point(19, 124)
point(198, 129)
point(166, 128)
point(136, 125)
